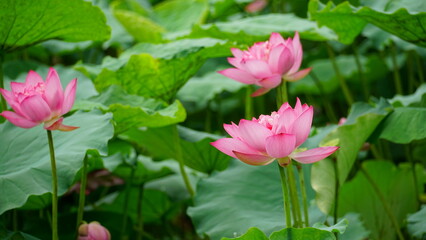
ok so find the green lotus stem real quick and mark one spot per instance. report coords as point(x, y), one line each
point(304, 197)
point(384, 203)
point(49, 217)
point(124, 235)
point(82, 197)
point(54, 187)
point(282, 95)
point(365, 87)
point(286, 198)
point(15, 220)
point(410, 71)
point(249, 109)
point(139, 212)
point(419, 67)
point(386, 150)
point(276, 6)
point(375, 151)
point(396, 76)
point(293, 195)
point(329, 110)
point(336, 193)
point(410, 159)
point(348, 95)
point(3, 101)
point(208, 122)
point(179, 158)
point(260, 104)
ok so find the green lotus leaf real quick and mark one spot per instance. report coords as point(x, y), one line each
point(25, 160)
point(25, 23)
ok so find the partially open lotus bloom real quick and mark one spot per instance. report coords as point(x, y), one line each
point(36, 101)
point(276, 136)
point(265, 64)
point(93, 231)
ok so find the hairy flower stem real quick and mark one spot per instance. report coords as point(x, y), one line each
point(179, 158)
point(282, 96)
point(419, 67)
point(342, 81)
point(396, 76)
point(336, 193)
point(277, 6)
point(124, 235)
point(249, 109)
point(326, 101)
point(293, 195)
point(15, 220)
point(376, 153)
point(364, 83)
point(54, 187)
point(208, 122)
point(410, 70)
point(139, 213)
point(286, 198)
point(2, 100)
point(410, 159)
point(385, 204)
point(82, 197)
point(304, 197)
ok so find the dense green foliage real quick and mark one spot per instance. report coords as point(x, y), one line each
point(149, 102)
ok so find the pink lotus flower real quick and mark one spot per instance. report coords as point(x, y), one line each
point(265, 64)
point(35, 101)
point(93, 231)
point(276, 136)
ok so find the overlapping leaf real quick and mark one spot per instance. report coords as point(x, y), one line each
point(244, 194)
point(361, 123)
point(404, 125)
point(302, 233)
point(25, 162)
point(417, 223)
point(322, 176)
point(348, 21)
point(168, 16)
point(251, 234)
point(241, 192)
point(355, 228)
point(156, 70)
point(134, 111)
point(140, 27)
point(287, 233)
point(178, 15)
point(24, 23)
point(324, 183)
point(417, 99)
point(397, 186)
point(253, 29)
point(197, 152)
point(198, 91)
